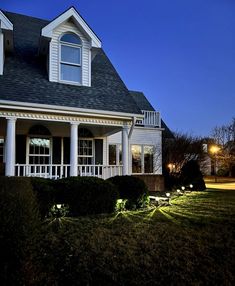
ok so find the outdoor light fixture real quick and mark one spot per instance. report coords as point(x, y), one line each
point(190, 186)
point(178, 191)
point(214, 150)
point(58, 206)
point(182, 188)
point(168, 195)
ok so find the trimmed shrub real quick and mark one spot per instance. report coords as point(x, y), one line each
point(19, 224)
point(191, 174)
point(133, 189)
point(45, 193)
point(87, 195)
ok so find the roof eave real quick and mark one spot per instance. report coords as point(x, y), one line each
point(47, 31)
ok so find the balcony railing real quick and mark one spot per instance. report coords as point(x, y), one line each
point(53, 171)
point(151, 119)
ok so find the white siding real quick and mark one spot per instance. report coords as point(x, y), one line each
point(54, 74)
point(144, 136)
point(1, 53)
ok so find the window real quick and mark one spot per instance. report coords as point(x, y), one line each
point(85, 151)
point(136, 158)
point(39, 151)
point(115, 154)
point(142, 159)
point(1, 150)
point(148, 159)
point(112, 154)
point(70, 58)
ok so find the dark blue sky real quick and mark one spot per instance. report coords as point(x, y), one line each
point(180, 53)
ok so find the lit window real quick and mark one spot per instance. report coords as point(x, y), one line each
point(142, 159)
point(136, 158)
point(70, 58)
point(148, 159)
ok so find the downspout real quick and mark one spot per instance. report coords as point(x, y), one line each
point(132, 127)
point(129, 137)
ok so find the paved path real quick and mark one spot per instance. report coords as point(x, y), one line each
point(221, 186)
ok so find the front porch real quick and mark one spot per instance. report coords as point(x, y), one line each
point(54, 149)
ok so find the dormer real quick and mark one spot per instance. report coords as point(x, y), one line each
point(6, 38)
point(70, 43)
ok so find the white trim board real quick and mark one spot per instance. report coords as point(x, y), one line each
point(47, 31)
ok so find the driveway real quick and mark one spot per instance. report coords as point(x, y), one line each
point(221, 184)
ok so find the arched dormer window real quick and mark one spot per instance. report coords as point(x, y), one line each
point(71, 58)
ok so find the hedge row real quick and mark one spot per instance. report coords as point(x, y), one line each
point(19, 226)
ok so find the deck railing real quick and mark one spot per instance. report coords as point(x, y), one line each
point(55, 171)
point(151, 118)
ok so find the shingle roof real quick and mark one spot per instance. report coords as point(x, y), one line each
point(144, 104)
point(25, 77)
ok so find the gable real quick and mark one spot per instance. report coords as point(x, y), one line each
point(72, 13)
point(54, 58)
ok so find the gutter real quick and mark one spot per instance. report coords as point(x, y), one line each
point(66, 110)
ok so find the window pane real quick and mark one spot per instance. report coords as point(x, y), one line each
point(71, 55)
point(1, 149)
point(71, 38)
point(136, 158)
point(112, 155)
point(70, 73)
point(148, 159)
point(120, 154)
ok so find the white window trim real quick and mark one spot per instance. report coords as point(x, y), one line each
point(62, 43)
point(50, 151)
point(93, 149)
point(142, 158)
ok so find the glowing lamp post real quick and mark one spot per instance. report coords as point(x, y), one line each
point(214, 150)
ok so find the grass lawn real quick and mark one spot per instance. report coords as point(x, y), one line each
point(188, 243)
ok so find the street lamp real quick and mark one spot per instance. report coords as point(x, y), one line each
point(214, 150)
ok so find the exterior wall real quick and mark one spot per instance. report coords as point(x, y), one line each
point(54, 66)
point(1, 53)
point(155, 183)
point(144, 136)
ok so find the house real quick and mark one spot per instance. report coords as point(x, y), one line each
point(64, 110)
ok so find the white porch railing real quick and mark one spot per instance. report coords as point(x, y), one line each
point(100, 171)
point(151, 118)
point(62, 171)
point(44, 171)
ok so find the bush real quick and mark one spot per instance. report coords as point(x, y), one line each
point(191, 174)
point(19, 224)
point(131, 188)
point(45, 193)
point(87, 195)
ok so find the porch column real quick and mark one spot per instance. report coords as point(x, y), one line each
point(74, 149)
point(125, 151)
point(10, 147)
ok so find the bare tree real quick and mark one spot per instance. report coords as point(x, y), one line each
point(180, 150)
point(224, 137)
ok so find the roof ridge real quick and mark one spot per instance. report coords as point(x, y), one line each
point(28, 16)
